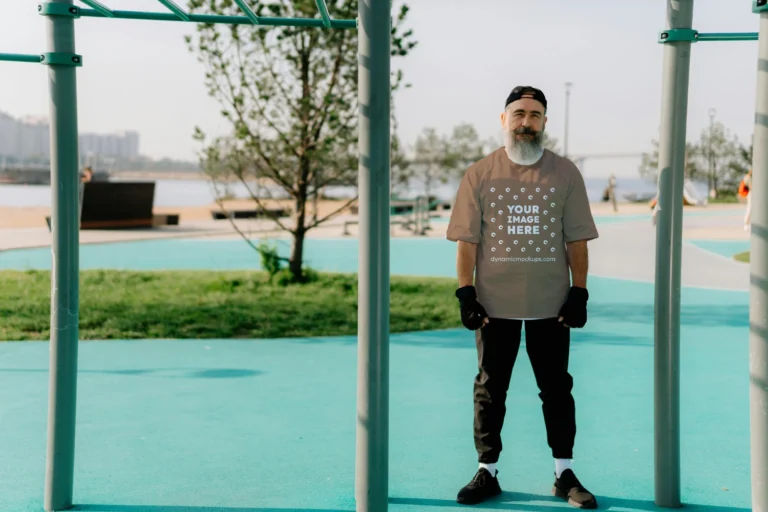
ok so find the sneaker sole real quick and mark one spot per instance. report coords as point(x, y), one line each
point(559, 494)
point(477, 502)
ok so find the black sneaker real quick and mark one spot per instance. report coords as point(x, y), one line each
point(482, 487)
point(569, 488)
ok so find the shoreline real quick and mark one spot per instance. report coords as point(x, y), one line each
point(26, 227)
point(34, 216)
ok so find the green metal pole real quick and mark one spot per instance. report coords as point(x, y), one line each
point(758, 288)
point(249, 19)
point(677, 58)
point(15, 57)
point(64, 276)
point(372, 450)
point(727, 36)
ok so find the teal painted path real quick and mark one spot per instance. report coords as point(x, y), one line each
point(412, 256)
point(727, 248)
point(269, 425)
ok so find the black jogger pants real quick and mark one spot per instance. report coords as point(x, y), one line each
point(548, 345)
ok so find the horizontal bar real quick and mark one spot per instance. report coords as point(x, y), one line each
point(99, 7)
point(324, 13)
point(727, 36)
point(175, 9)
point(214, 18)
point(248, 12)
point(16, 57)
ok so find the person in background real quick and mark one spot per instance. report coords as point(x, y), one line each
point(745, 190)
point(521, 221)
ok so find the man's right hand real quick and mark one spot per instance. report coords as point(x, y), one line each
point(473, 315)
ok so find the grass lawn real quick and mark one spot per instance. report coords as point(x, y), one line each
point(742, 256)
point(209, 304)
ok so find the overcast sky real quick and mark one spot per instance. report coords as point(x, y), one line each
point(140, 76)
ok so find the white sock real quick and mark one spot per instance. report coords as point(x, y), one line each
point(490, 467)
point(561, 465)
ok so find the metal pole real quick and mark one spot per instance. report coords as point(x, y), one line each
point(712, 192)
point(65, 273)
point(677, 57)
point(758, 289)
point(372, 465)
point(567, 114)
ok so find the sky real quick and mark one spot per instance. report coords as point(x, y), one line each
point(140, 75)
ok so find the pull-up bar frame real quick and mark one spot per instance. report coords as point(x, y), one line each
point(373, 308)
point(677, 40)
point(99, 10)
point(374, 42)
point(685, 34)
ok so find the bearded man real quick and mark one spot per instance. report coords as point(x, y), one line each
point(521, 220)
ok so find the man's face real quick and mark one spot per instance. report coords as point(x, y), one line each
point(525, 118)
point(523, 124)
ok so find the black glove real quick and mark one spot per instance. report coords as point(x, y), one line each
point(472, 313)
point(574, 311)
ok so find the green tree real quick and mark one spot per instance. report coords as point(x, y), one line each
point(400, 166)
point(439, 157)
point(431, 163)
point(721, 165)
point(290, 94)
point(721, 159)
point(649, 164)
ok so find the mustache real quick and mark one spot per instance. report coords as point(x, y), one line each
point(525, 130)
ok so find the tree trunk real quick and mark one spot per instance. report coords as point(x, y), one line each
point(300, 230)
point(297, 255)
point(302, 188)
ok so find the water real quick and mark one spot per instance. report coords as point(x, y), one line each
point(177, 193)
point(167, 193)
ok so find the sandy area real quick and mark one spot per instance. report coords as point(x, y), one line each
point(23, 217)
point(26, 227)
point(30, 217)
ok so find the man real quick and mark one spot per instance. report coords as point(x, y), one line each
point(521, 221)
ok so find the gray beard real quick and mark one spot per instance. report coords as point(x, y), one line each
point(522, 152)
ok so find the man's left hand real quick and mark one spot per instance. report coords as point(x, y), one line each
point(574, 311)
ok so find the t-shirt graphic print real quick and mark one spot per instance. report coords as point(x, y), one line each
point(527, 223)
point(521, 217)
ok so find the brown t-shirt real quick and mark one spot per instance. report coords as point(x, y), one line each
point(521, 216)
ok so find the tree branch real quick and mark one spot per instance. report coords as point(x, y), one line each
point(277, 80)
point(257, 200)
point(335, 212)
point(258, 104)
point(331, 85)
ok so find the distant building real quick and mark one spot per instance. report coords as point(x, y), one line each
point(29, 138)
point(118, 145)
point(9, 135)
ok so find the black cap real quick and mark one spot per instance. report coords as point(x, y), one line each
point(526, 91)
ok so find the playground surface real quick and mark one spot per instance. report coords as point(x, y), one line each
point(269, 425)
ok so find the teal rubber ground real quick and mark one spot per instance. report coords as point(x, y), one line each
point(269, 425)
point(727, 248)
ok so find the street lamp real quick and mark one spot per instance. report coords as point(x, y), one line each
point(567, 109)
point(712, 191)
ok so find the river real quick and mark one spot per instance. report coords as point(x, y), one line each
point(176, 193)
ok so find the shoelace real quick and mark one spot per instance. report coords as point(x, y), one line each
point(479, 478)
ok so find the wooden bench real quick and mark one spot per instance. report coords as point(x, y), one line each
point(257, 213)
point(119, 205)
